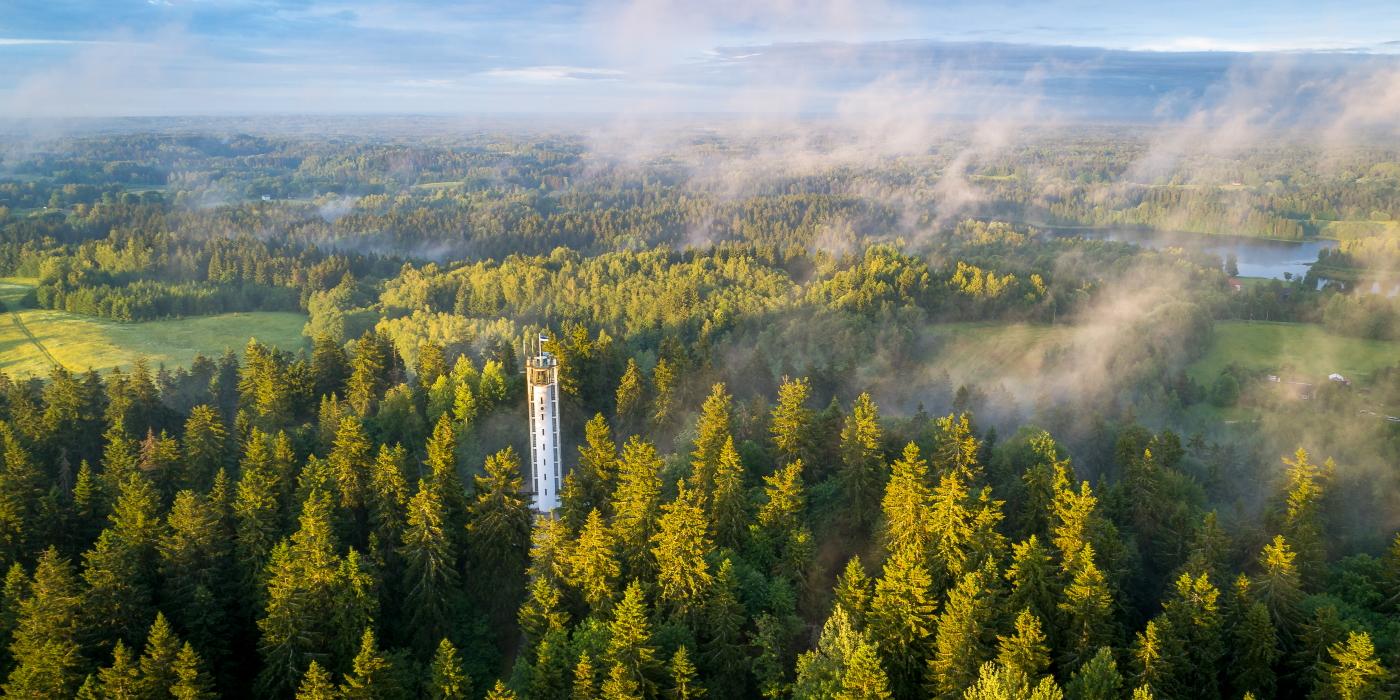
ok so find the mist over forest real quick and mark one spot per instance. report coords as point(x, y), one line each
point(636, 350)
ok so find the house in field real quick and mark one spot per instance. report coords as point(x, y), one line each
point(1339, 379)
point(1236, 285)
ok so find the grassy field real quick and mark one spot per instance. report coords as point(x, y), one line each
point(82, 342)
point(981, 352)
point(1302, 351)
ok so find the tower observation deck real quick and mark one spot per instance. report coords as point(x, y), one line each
point(542, 383)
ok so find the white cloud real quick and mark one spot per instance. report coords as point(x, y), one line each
point(540, 74)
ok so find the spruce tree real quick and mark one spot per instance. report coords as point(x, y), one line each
point(498, 527)
point(191, 682)
point(1025, 650)
point(684, 684)
point(636, 503)
point(157, 663)
point(712, 431)
point(629, 643)
point(585, 685)
point(960, 647)
point(1256, 650)
point(681, 547)
point(907, 505)
point(902, 619)
point(316, 684)
point(1097, 679)
point(204, 447)
point(430, 583)
point(1086, 608)
point(852, 592)
point(729, 505)
point(45, 652)
point(590, 483)
point(447, 679)
point(629, 395)
point(593, 566)
point(1354, 672)
point(121, 680)
point(370, 676)
point(863, 472)
point(722, 654)
point(791, 424)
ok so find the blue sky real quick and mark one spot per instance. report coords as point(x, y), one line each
point(1099, 59)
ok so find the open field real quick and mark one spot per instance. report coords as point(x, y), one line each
point(82, 342)
point(1298, 350)
point(981, 352)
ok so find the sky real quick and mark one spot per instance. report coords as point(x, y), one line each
point(1073, 58)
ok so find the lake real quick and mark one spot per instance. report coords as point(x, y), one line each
point(1256, 257)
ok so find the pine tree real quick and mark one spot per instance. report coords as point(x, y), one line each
point(791, 424)
point(447, 679)
point(593, 566)
point(19, 493)
point(957, 449)
point(387, 504)
point(368, 375)
point(636, 503)
point(1097, 679)
point(781, 523)
point(371, 676)
point(45, 652)
point(1195, 619)
point(862, 476)
point(864, 678)
point(629, 643)
point(432, 363)
point(195, 564)
point(118, 601)
point(959, 646)
point(493, 383)
point(1025, 651)
point(191, 682)
point(1354, 672)
point(316, 684)
point(1158, 657)
point(996, 682)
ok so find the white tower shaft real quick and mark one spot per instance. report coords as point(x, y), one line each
point(542, 376)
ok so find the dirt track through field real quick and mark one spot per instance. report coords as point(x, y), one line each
point(19, 323)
